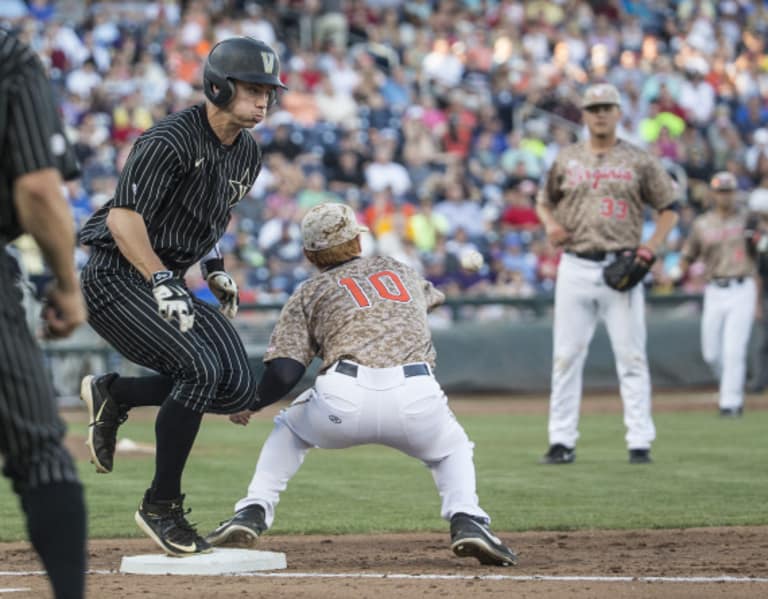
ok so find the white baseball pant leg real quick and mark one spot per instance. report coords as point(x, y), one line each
point(726, 324)
point(576, 314)
point(624, 315)
point(281, 457)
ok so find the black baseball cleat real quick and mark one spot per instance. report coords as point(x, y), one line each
point(242, 529)
point(640, 456)
point(166, 524)
point(471, 537)
point(105, 417)
point(559, 454)
point(731, 412)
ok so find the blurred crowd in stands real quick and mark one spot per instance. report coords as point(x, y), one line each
point(436, 120)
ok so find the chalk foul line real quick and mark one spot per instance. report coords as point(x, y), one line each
point(395, 576)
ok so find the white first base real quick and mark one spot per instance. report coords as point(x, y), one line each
point(220, 561)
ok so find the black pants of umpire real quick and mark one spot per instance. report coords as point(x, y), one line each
point(31, 430)
point(208, 363)
point(42, 472)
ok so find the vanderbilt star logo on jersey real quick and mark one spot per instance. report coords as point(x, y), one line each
point(239, 187)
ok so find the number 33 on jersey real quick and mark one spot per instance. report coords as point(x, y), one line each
point(375, 297)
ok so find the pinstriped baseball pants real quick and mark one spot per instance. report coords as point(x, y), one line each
point(31, 430)
point(208, 364)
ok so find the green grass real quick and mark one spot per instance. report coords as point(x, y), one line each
point(707, 472)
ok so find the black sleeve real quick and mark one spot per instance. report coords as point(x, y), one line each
point(278, 379)
point(35, 135)
point(31, 132)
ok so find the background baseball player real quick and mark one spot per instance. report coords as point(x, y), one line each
point(35, 154)
point(171, 206)
point(717, 238)
point(592, 206)
point(367, 319)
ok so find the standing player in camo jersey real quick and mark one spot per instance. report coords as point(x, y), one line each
point(592, 206)
point(35, 156)
point(171, 206)
point(367, 319)
point(719, 239)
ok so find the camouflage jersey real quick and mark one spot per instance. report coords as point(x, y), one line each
point(599, 198)
point(372, 311)
point(719, 243)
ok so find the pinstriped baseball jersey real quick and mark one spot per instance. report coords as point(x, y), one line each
point(599, 198)
point(184, 182)
point(719, 242)
point(372, 311)
point(31, 133)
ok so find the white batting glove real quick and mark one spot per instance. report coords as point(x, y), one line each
point(224, 288)
point(173, 300)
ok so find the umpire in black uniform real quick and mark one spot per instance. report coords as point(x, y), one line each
point(35, 156)
point(171, 206)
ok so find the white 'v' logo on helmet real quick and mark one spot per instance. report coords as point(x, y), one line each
point(269, 61)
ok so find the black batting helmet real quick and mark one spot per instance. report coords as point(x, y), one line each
point(240, 59)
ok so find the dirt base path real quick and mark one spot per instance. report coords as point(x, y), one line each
point(602, 564)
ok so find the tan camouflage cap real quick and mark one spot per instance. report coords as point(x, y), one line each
point(328, 225)
point(724, 181)
point(601, 93)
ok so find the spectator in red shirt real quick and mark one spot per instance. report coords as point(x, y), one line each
point(519, 213)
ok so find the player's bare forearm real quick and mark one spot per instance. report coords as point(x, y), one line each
point(44, 213)
point(664, 224)
point(130, 235)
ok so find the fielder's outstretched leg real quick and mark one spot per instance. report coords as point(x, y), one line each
point(280, 459)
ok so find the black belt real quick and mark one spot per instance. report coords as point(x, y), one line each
point(595, 256)
point(727, 281)
point(409, 370)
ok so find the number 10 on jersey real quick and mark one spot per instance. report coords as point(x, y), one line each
point(386, 283)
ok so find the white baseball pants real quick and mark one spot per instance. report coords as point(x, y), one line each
point(379, 405)
point(726, 324)
point(582, 299)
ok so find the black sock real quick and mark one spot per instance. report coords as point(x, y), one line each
point(134, 391)
point(175, 431)
point(56, 524)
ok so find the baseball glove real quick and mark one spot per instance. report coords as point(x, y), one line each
point(629, 268)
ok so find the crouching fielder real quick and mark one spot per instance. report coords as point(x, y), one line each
point(367, 319)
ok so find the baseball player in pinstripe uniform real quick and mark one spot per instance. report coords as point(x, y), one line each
point(35, 155)
point(171, 206)
point(592, 206)
point(367, 319)
point(730, 297)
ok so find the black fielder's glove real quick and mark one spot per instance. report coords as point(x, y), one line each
point(629, 268)
point(173, 299)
